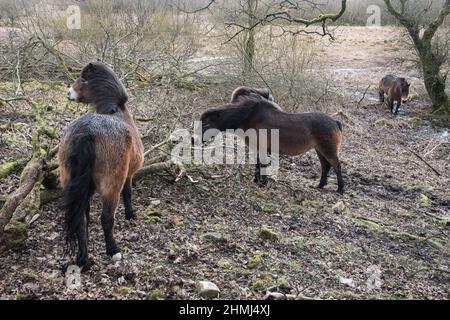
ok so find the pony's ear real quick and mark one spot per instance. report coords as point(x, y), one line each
point(215, 114)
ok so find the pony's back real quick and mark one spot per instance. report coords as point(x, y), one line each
point(111, 137)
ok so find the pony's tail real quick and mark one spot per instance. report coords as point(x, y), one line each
point(80, 188)
point(339, 125)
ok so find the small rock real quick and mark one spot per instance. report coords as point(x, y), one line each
point(156, 202)
point(121, 280)
point(279, 296)
point(339, 207)
point(207, 289)
point(347, 281)
point(117, 257)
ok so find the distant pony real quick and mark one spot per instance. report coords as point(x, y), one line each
point(396, 89)
point(298, 132)
point(99, 153)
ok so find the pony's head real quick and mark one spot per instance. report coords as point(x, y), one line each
point(257, 93)
point(229, 116)
point(405, 89)
point(99, 85)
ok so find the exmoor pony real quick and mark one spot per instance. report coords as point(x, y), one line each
point(99, 153)
point(298, 132)
point(396, 89)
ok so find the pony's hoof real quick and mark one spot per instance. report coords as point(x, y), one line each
point(263, 183)
point(320, 186)
point(84, 265)
point(340, 191)
point(88, 265)
point(112, 250)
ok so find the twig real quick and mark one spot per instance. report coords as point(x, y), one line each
point(19, 90)
point(423, 160)
point(155, 147)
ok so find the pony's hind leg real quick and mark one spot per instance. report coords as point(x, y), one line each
point(126, 194)
point(330, 153)
point(391, 104)
point(398, 107)
point(325, 165)
point(338, 170)
point(260, 179)
point(110, 204)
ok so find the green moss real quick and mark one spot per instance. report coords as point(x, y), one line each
point(7, 168)
point(225, 264)
point(283, 282)
point(259, 285)
point(255, 261)
point(267, 234)
point(124, 291)
point(152, 212)
point(401, 234)
point(269, 208)
point(153, 220)
point(424, 200)
point(156, 294)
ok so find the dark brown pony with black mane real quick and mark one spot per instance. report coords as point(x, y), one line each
point(298, 132)
point(99, 153)
point(396, 89)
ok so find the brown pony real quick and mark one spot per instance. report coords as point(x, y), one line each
point(396, 89)
point(99, 153)
point(298, 132)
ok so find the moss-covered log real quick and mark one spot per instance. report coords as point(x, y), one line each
point(10, 167)
point(20, 206)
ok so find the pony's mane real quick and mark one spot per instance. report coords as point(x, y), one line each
point(107, 91)
point(233, 115)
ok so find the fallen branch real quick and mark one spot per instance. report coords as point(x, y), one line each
point(19, 204)
point(153, 168)
point(159, 145)
point(423, 160)
point(364, 95)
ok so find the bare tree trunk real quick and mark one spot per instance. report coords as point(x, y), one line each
point(434, 82)
point(249, 45)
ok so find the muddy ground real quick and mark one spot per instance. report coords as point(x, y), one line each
point(389, 241)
